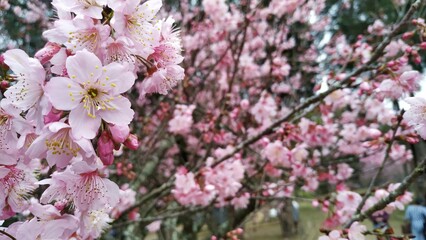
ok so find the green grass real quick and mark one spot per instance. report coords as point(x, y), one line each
point(310, 222)
point(309, 225)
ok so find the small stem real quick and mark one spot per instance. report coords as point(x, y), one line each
point(7, 234)
point(382, 166)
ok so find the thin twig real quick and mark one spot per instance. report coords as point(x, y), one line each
point(7, 234)
point(378, 52)
point(419, 170)
point(382, 166)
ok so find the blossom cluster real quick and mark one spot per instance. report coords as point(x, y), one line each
point(253, 118)
point(65, 112)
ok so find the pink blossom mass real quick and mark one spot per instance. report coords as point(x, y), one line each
point(211, 119)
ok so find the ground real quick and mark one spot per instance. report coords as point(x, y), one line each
point(258, 227)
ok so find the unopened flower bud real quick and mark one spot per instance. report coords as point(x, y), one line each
point(105, 149)
point(408, 49)
point(423, 45)
point(132, 142)
point(119, 133)
point(47, 52)
point(407, 35)
point(365, 86)
point(4, 84)
point(53, 116)
point(374, 133)
point(3, 64)
point(244, 104)
point(418, 59)
point(391, 63)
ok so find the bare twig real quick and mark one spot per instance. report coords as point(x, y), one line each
point(382, 166)
point(378, 52)
point(7, 234)
point(419, 170)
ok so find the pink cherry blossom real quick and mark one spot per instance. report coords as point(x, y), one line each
point(278, 154)
point(154, 226)
point(182, 120)
point(58, 145)
point(78, 34)
point(356, 231)
point(83, 186)
point(16, 183)
point(92, 222)
point(163, 70)
point(415, 115)
point(90, 8)
point(92, 93)
point(134, 22)
point(30, 76)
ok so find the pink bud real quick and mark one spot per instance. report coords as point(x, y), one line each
point(133, 215)
point(239, 231)
point(47, 52)
point(244, 104)
point(3, 64)
point(391, 63)
point(418, 59)
point(53, 116)
point(423, 45)
point(412, 140)
point(374, 133)
point(365, 86)
point(60, 205)
point(132, 142)
point(119, 133)
point(408, 50)
point(4, 84)
point(407, 35)
point(105, 148)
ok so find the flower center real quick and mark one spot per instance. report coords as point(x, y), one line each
point(92, 92)
point(60, 143)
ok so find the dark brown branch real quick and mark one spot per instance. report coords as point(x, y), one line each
point(382, 166)
point(419, 170)
point(378, 52)
point(7, 234)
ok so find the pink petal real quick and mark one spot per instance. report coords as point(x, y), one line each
point(84, 66)
point(117, 78)
point(64, 93)
point(24, 94)
point(21, 64)
point(60, 160)
point(3, 172)
point(150, 9)
point(38, 147)
point(82, 125)
point(122, 113)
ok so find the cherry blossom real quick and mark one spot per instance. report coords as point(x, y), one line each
point(92, 93)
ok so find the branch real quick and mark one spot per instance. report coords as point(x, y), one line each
point(7, 234)
point(302, 106)
point(419, 170)
point(147, 197)
point(382, 166)
point(160, 217)
point(378, 52)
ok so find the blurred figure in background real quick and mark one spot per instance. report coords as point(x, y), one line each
point(295, 213)
point(416, 216)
